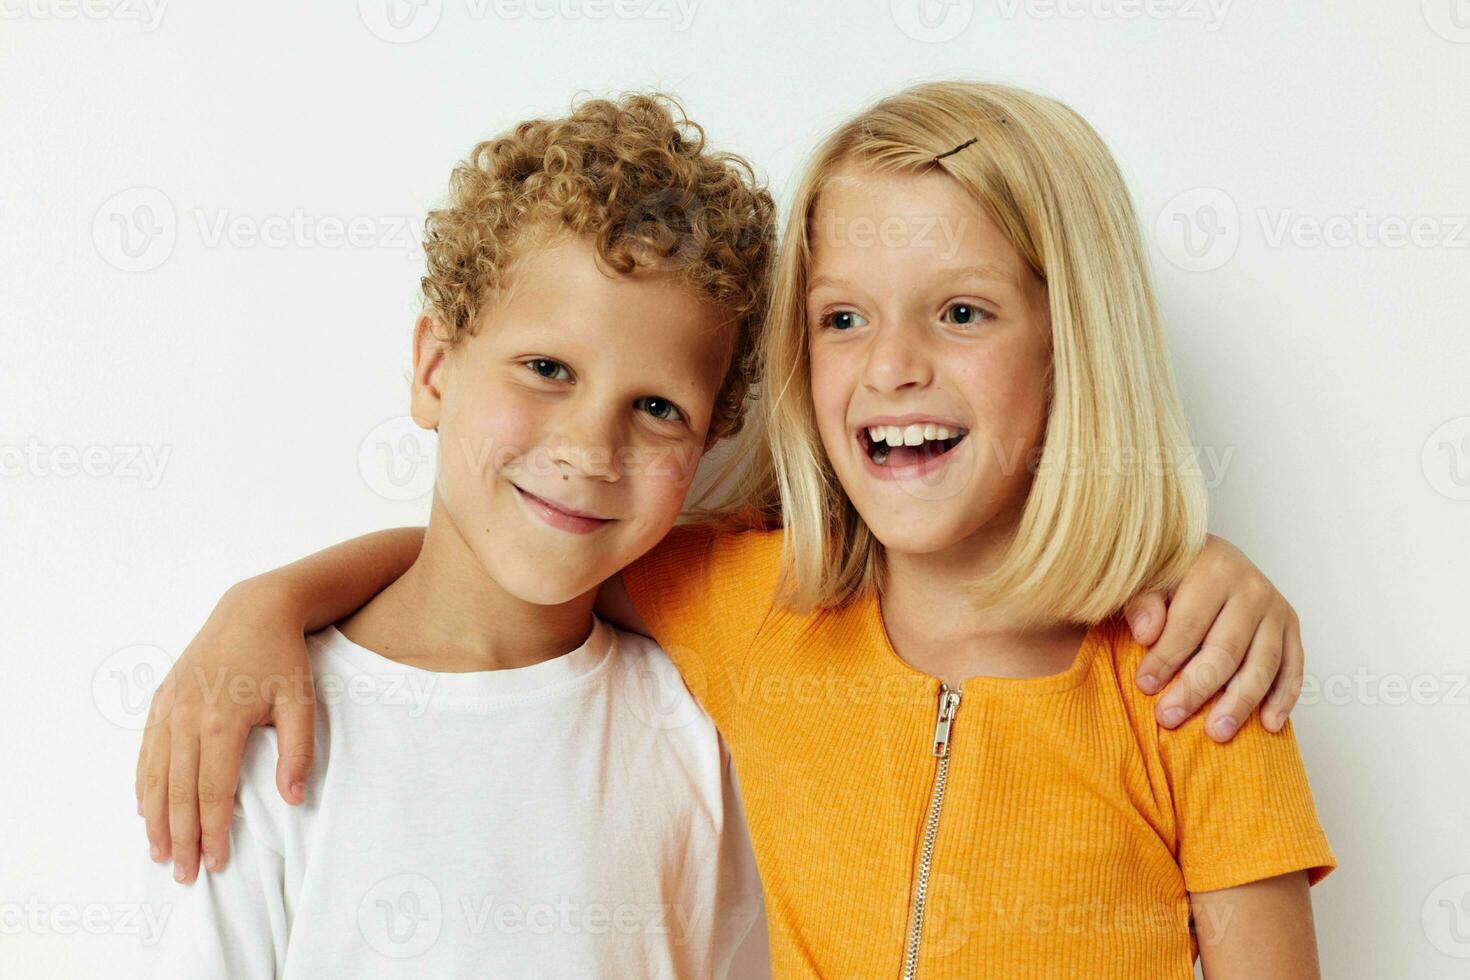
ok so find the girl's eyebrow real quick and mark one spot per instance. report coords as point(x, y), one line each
point(822, 281)
point(981, 273)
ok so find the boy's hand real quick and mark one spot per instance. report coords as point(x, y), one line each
point(1226, 623)
point(248, 666)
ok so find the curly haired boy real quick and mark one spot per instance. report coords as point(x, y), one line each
point(504, 783)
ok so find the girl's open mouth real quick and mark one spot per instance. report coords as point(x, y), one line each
point(895, 448)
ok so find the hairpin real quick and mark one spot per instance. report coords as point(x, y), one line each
point(957, 149)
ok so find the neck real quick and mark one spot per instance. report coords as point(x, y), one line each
point(447, 614)
point(936, 624)
point(931, 594)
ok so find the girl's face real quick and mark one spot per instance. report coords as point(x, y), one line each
point(930, 360)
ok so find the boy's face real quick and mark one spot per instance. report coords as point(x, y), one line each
point(571, 423)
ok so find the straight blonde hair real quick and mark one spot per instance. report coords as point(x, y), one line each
point(1116, 504)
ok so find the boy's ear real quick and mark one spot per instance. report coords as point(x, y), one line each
point(429, 350)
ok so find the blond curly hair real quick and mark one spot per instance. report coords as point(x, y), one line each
point(636, 175)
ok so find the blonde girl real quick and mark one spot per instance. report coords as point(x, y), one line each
point(968, 455)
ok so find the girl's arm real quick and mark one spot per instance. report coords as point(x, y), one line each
point(248, 666)
point(1263, 929)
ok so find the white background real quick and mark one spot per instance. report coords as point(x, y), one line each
point(183, 403)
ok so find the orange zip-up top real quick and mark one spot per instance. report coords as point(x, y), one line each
point(1011, 828)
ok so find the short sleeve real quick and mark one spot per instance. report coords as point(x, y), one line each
point(231, 922)
point(704, 593)
point(1243, 810)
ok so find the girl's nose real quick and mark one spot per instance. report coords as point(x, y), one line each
point(897, 358)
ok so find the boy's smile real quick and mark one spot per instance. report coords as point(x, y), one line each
point(559, 515)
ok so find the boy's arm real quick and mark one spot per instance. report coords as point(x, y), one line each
point(247, 667)
point(232, 924)
point(1263, 929)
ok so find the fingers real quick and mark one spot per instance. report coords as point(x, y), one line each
point(156, 744)
point(183, 804)
point(139, 771)
point(1145, 615)
point(294, 718)
point(1193, 610)
point(1222, 651)
point(1288, 684)
point(219, 780)
point(1250, 683)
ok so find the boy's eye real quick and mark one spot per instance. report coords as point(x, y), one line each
point(843, 320)
point(964, 313)
point(660, 408)
point(549, 369)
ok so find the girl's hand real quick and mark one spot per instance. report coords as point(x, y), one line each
point(248, 666)
point(1229, 628)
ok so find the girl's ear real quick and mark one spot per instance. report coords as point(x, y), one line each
point(429, 352)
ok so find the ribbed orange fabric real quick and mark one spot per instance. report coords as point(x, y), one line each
point(1072, 827)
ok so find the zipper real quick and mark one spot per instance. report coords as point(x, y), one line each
point(949, 703)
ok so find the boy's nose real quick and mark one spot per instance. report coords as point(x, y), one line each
point(589, 450)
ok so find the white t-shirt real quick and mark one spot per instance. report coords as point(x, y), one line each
point(573, 819)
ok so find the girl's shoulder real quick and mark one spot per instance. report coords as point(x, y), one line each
point(738, 545)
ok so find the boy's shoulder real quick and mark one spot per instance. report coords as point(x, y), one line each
point(259, 809)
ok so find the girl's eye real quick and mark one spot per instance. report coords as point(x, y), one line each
point(660, 408)
point(549, 369)
point(964, 313)
point(843, 320)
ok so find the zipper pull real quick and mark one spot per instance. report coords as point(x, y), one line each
point(949, 703)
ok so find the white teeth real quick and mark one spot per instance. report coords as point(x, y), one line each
point(911, 435)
